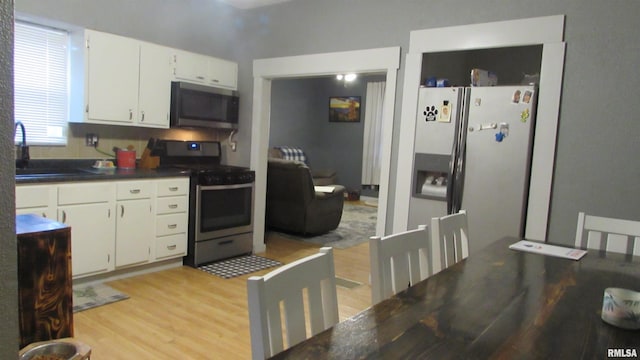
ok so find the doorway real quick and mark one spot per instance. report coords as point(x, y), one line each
point(381, 60)
point(549, 34)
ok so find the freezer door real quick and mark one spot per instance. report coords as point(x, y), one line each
point(438, 110)
point(497, 165)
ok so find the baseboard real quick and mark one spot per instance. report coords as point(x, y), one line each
point(129, 272)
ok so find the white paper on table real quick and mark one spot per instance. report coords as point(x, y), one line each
point(546, 249)
point(324, 189)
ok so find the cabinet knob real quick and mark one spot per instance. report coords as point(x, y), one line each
point(135, 191)
point(171, 247)
point(130, 114)
point(172, 226)
point(173, 206)
point(142, 118)
point(173, 188)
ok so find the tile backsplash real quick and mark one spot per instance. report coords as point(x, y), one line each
point(112, 135)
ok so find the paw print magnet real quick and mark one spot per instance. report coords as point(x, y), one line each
point(430, 113)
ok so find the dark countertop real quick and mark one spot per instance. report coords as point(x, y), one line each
point(81, 170)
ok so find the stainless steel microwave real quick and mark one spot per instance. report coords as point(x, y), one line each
point(194, 105)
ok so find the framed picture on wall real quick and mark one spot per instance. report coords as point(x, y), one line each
point(344, 109)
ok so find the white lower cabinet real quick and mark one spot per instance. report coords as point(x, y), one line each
point(37, 199)
point(134, 222)
point(88, 208)
point(172, 204)
point(115, 224)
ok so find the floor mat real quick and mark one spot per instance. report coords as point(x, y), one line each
point(239, 266)
point(93, 295)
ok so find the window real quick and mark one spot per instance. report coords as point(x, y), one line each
point(40, 83)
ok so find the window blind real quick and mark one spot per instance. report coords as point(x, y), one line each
point(41, 60)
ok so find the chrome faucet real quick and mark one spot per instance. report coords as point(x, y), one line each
point(24, 149)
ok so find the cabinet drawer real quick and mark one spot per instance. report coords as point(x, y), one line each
point(133, 190)
point(172, 245)
point(33, 196)
point(173, 187)
point(173, 204)
point(171, 224)
point(85, 193)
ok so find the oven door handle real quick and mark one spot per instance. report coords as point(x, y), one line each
point(224, 187)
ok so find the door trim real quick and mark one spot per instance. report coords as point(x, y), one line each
point(380, 60)
point(549, 33)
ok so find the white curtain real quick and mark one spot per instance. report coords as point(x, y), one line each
point(372, 147)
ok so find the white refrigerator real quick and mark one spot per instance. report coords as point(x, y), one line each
point(473, 151)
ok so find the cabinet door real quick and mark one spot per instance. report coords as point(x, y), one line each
point(134, 231)
point(112, 77)
point(36, 199)
point(40, 211)
point(92, 234)
point(155, 86)
point(190, 66)
point(223, 73)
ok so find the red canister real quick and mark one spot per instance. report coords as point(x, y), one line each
point(126, 159)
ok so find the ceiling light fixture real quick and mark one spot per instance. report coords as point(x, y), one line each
point(347, 77)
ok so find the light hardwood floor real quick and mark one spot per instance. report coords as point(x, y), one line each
point(185, 313)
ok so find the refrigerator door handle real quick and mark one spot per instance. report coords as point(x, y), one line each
point(460, 151)
point(454, 166)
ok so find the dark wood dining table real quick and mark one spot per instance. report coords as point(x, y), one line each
point(498, 304)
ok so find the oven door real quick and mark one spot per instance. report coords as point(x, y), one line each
point(223, 210)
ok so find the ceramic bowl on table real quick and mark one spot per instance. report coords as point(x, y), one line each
point(621, 308)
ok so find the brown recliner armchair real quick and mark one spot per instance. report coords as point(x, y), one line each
point(320, 177)
point(294, 206)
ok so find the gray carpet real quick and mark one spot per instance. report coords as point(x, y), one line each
point(358, 223)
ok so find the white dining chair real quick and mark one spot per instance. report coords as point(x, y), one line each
point(286, 288)
point(609, 234)
point(449, 239)
point(397, 261)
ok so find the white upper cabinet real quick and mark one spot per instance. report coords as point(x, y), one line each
point(205, 70)
point(155, 85)
point(113, 77)
point(118, 80)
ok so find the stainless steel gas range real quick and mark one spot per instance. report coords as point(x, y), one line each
point(220, 201)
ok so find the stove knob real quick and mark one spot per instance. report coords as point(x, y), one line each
point(212, 179)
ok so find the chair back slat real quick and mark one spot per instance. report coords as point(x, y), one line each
point(312, 279)
point(450, 239)
point(608, 234)
point(398, 261)
point(294, 318)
